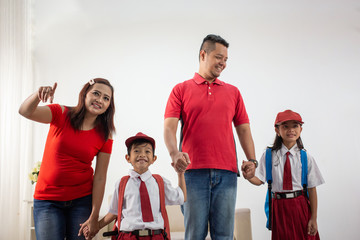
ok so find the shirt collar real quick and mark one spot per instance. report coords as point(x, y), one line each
point(144, 177)
point(292, 151)
point(200, 80)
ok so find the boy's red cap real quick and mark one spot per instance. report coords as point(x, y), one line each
point(287, 115)
point(140, 135)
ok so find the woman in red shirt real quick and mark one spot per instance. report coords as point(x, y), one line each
point(69, 192)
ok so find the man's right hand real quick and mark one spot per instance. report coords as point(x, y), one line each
point(180, 161)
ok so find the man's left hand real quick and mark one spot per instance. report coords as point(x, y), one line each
point(248, 169)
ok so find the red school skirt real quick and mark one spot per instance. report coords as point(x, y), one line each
point(290, 218)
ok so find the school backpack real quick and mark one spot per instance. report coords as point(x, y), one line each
point(160, 182)
point(268, 165)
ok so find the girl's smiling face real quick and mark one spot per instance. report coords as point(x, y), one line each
point(289, 131)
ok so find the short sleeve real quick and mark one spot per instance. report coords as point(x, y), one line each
point(114, 200)
point(56, 112)
point(107, 147)
point(314, 175)
point(241, 115)
point(174, 103)
point(173, 196)
point(261, 170)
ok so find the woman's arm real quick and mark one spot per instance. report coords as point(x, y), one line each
point(102, 163)
point(30, 109)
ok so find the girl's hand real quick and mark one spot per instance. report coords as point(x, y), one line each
point(45, 93)
point(248, 169)
point(312, 227)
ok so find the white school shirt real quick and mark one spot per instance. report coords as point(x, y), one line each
point(278, 161)
point(131, 213)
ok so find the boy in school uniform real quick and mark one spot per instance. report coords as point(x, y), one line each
point(135, 221)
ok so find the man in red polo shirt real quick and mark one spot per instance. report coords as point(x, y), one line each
point(207, 108)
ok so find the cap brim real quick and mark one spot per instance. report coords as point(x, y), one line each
point(279, 123)
point(130, 140)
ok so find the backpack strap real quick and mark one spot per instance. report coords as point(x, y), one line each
point(268, 162)
point(122, 186)
point(304, 170)
point(268, 158)
point(160, 182)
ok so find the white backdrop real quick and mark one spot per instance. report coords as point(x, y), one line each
point(302, 55)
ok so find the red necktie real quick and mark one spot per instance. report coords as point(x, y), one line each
point(145, 203)
point(287, 180)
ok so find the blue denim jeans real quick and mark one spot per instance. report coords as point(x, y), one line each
point(211, 197)
point(55, 220)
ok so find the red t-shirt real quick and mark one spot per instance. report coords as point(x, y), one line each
point(66, 172)
point(207, 112)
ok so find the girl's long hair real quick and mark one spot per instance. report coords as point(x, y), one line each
point(104, 122)
point(278, 143)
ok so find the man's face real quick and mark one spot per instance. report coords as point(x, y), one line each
point(213, 63)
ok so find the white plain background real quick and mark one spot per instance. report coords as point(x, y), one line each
point(299, 55)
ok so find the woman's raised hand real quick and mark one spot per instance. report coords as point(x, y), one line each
point(47, 93)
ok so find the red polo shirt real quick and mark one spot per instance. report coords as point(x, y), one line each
point(207, 112)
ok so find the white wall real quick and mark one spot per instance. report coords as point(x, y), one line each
point(302, 55)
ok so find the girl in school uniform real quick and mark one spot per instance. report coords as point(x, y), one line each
point(294, 215)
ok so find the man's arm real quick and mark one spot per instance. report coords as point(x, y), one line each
point(244, 133)
point(180, 160)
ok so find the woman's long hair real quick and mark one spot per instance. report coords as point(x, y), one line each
point(104, 122)
point(278, 142)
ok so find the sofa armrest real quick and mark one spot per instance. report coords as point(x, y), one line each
point(242, 228)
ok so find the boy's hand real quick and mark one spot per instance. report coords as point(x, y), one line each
point(88, 229)
point(248, 169)
point(85, 232)
point(312, 227)
point(180, 161)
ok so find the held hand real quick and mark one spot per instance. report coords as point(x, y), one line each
point(47, 93)
point(312, 227)
point(89, 229)
point(85, 231)
point(180, 161)
point(248, 169)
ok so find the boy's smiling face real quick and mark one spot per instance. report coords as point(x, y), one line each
point(141, 157)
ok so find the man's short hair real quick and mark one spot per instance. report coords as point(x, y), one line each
point(208, 44)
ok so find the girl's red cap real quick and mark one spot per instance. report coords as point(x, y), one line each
point(287, 115)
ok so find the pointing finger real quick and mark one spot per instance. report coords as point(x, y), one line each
point(54, 87)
